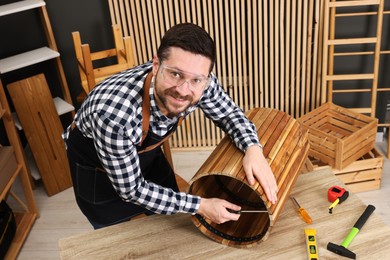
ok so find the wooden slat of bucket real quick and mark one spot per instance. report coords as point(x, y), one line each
point(258, 116)
point(229, 152)
point(267, 127)
point(280, 161)
point(284, 152)
point(213, 159)
point(279, 142)
point(255, 114)
point(235, 163)
point(296, 162)
point(287, 157)
point(280, 122)
point(280, 134)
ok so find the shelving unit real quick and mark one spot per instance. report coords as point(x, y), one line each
point(329, 54)
point(39, 55)
point(26, 218)
point(27, 212)
point(31, 57)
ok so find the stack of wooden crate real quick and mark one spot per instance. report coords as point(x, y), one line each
point(345, 141)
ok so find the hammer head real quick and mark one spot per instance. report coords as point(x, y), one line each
point(340, 250)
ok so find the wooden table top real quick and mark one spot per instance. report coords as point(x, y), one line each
point(176, 237)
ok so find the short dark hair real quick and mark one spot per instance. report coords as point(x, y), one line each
point(189, 37)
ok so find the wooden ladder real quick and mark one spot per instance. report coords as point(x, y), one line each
point(329, 53)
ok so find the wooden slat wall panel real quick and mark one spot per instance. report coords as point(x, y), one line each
point(268, 52)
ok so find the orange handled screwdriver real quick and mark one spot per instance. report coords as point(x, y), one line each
point(302, 212)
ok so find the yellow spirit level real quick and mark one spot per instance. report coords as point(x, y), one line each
point(311, 243)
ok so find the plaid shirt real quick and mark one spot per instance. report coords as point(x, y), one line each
point(112, 116)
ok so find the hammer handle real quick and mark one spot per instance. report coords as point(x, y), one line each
point(363, 218)
point(358, 225)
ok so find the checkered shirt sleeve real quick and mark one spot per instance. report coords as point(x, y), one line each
point(221, 109)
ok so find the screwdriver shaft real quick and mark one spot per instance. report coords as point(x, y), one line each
point(246, 211)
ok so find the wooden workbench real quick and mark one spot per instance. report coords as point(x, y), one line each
point(176, 237)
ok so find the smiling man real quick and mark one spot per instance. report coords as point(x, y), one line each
point(113, 146)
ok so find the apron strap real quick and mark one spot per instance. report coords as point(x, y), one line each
point(146, 107)
point(146, 116)
point(149, 148)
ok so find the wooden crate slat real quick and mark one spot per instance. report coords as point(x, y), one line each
point(364, 186)
point(323, 157)
point(363, 174)
point(361, 138)
point(359, 176)
point(356, 116)
point(333, 128)
point(357, 123)
point(318, 122)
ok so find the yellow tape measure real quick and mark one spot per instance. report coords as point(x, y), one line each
point(311, 243)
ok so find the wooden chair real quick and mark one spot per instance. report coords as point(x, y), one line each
point(91, 75)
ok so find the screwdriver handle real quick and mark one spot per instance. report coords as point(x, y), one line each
point(305, 215)
point(302, 212)
point(234, 211)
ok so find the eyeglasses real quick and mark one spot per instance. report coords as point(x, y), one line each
point(177, 78)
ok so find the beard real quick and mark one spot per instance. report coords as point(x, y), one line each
point(172, 109)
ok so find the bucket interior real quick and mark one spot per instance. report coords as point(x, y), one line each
point(250, 227)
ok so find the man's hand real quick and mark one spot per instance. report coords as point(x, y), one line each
point(216, 210)
point(256, 166)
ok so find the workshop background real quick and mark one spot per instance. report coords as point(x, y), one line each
point(92, 19)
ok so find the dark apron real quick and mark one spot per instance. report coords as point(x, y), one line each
point(93, 190)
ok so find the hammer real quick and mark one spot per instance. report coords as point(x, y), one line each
point(342, 249)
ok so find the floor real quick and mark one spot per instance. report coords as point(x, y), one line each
point(60, 216)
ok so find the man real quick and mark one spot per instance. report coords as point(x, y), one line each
point(113, 145)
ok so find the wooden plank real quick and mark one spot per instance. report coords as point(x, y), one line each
point(360, 176)
point(298, 68)
point(266, 54)
point(350, 77)
point(271, 57)
point(38, 116)
point(293, 41)
point(353, 3)
point(377, 58)
point(353, 41)
point(364, 186)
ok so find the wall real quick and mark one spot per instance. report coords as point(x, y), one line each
point(21, 32)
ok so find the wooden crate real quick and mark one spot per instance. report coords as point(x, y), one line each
point(339, 136)
point(363, 174)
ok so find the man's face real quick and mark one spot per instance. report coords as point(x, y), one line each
point(179, 80)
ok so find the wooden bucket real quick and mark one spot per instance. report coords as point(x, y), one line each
point(222, 175)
